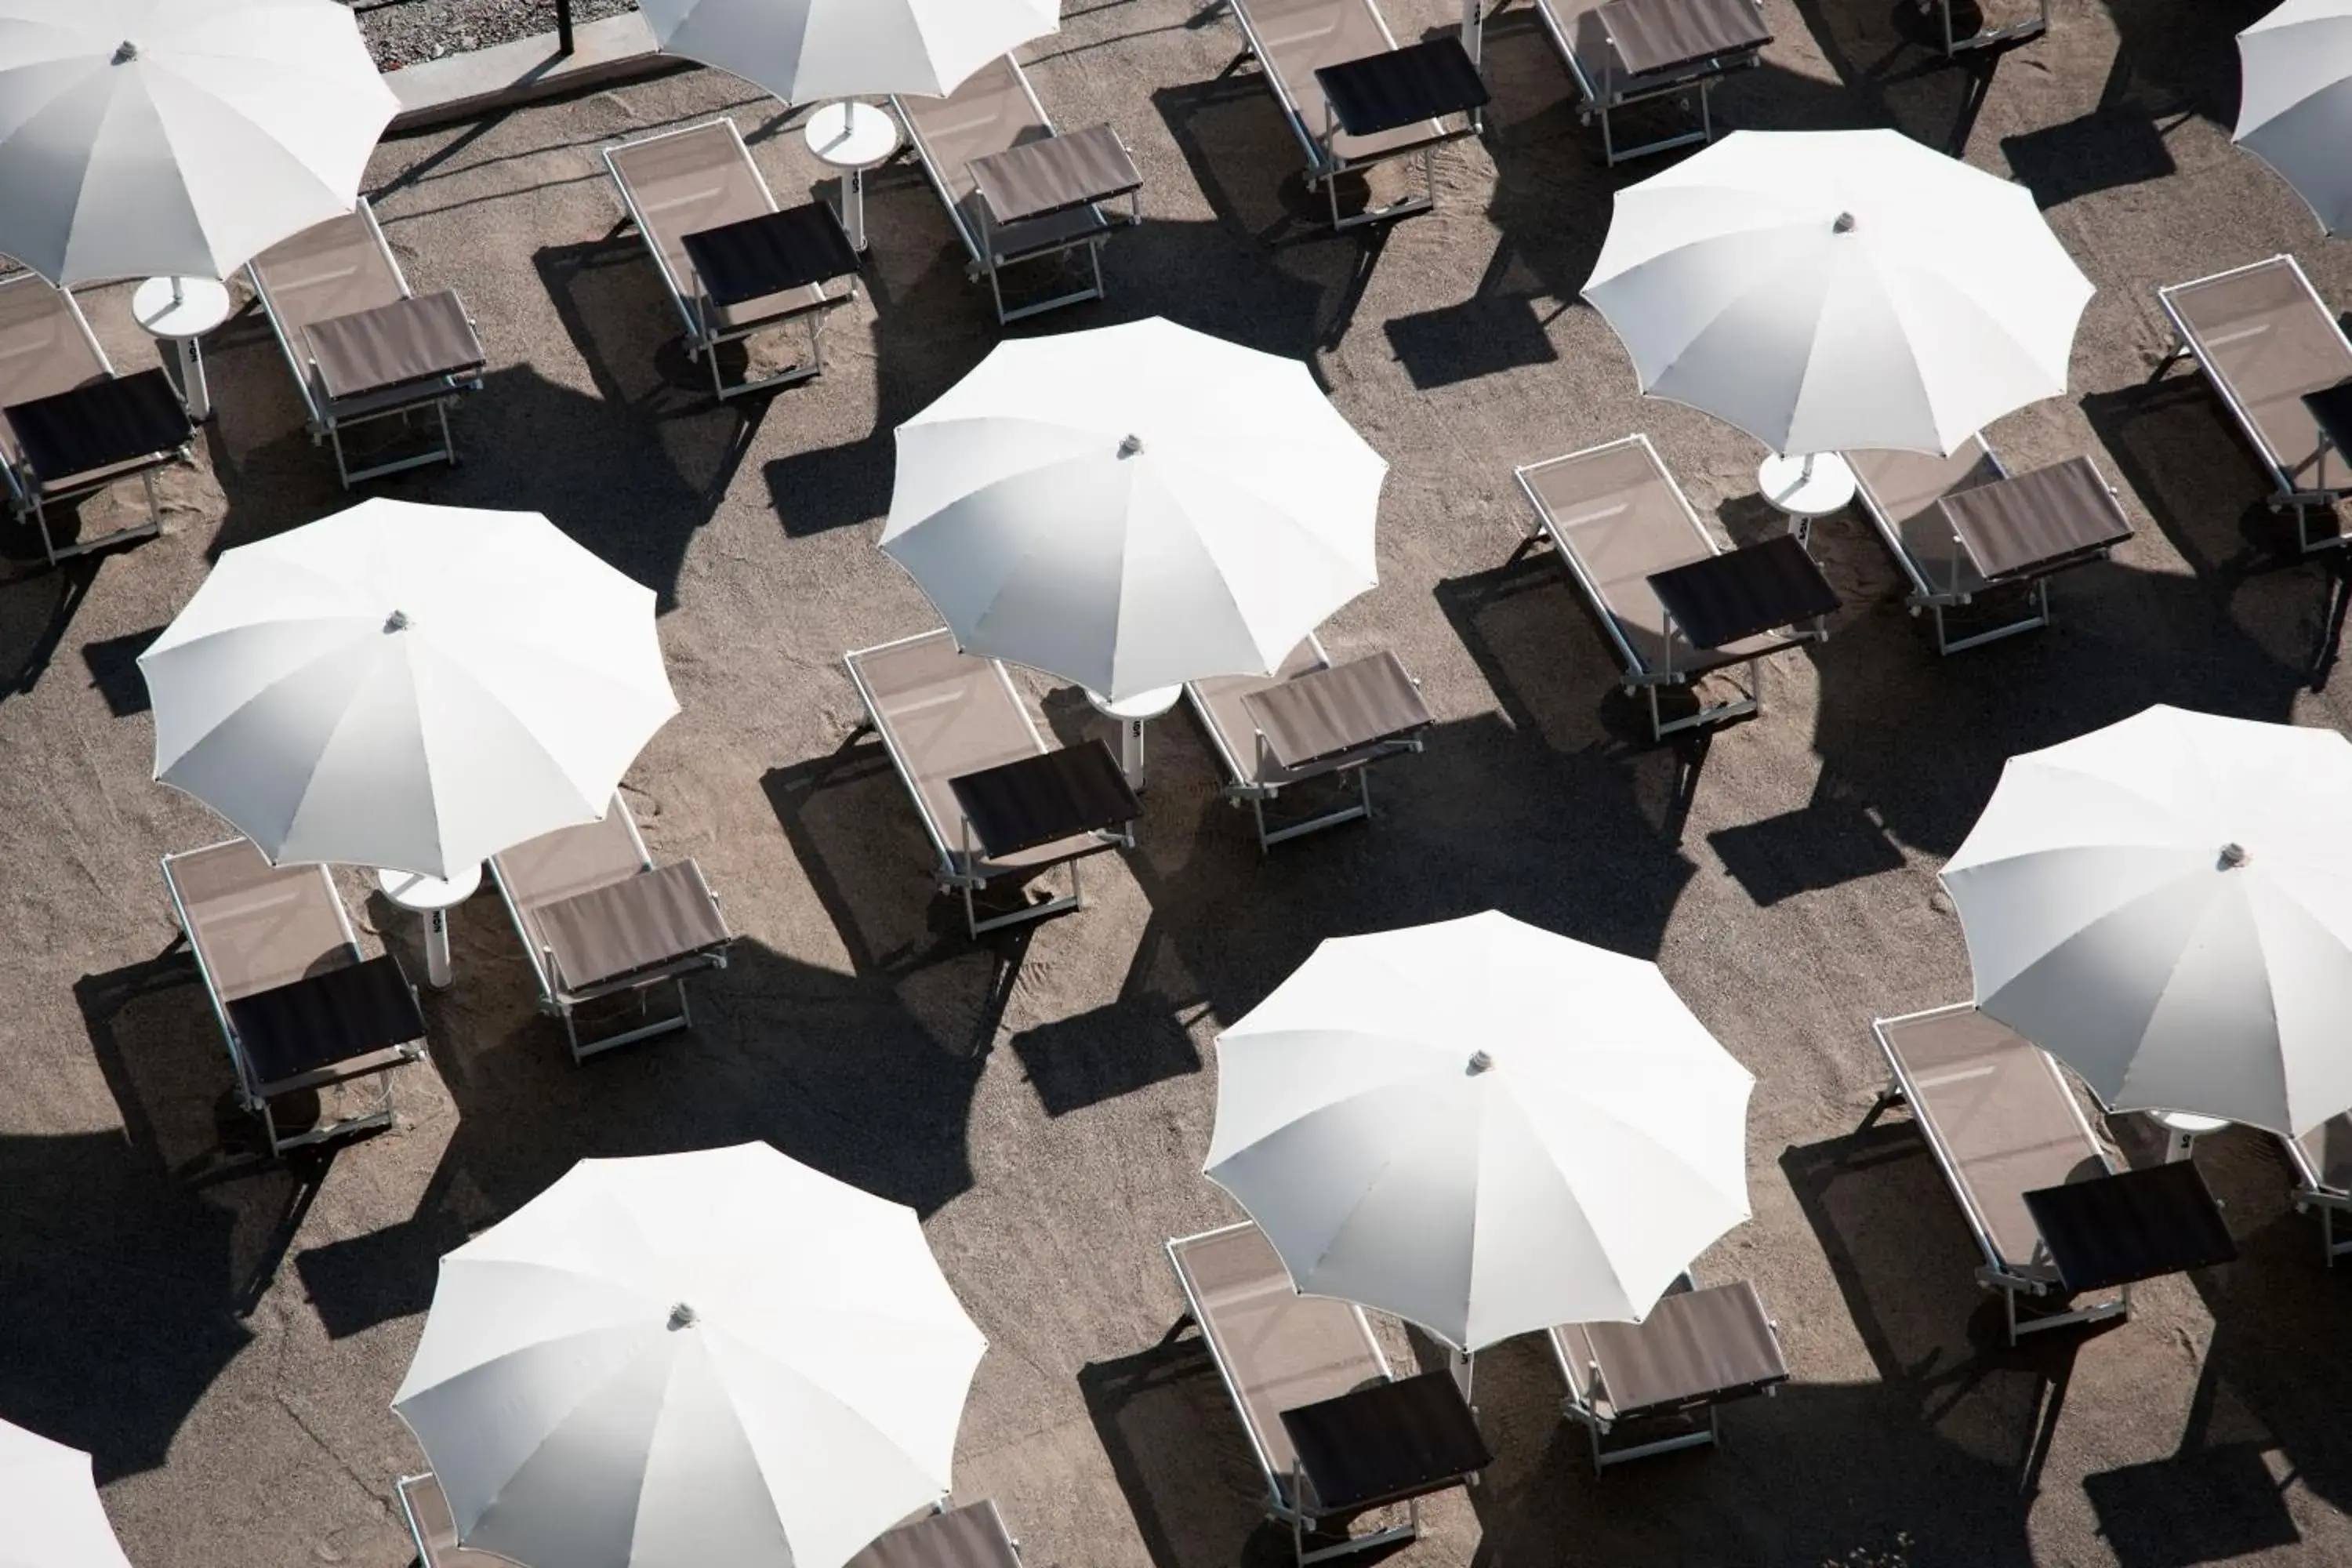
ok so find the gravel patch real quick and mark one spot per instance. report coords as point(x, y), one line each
point(405, 32)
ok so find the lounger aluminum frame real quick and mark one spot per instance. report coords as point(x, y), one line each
point(1604, 90)
point(1996, 1273)
point(1034, 240)
point(252, 1093)
point(1582, 1403)
point(559, 1000)
point(2303, 499)
point(28, 498)
point(1639, 675)
point(1284, 1482)
point(1324, 162)
point(1247, 782)
point(326, 419)
point(707, 326)
point(962, 870)
point(2312, 1190)
point(2013, 32)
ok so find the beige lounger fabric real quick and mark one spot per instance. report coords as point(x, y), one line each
point(1905, 488)
point(1223, 701)
point(255, 925)
point(2261, 330)
point(1693, 1345)
point(1298, 36)
point(693, 180)
point(992, 112)
point(972, 1536)
point(44, 348)
point(436, 1531)
point(2327, 1152)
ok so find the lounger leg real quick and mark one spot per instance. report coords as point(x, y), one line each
point(448, 442)
point(41, 520)
point(1657, 731)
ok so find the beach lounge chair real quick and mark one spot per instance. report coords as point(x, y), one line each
point(1674, 603)
point(299, 1006)
point(431, 1529)
point(1306, 721)
point(2031, 26)
point(697, 190)
point(1664, 48)
point(2263, 340)
point(68, 424)
point(1354, 99)
point(599, 921)
point(972, 1536)
point(2031, 527)
point(1305, 1376)
point(2322, 1161)
point(995, 800)
point(1015, 189)
point(1699, 1349)
point(362, 345)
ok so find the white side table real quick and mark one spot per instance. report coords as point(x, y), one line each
point(2181, 1130)
point(1131, 715)
point(431, 899)
point(852, 137)
point(1806, 487)
point(179, 310)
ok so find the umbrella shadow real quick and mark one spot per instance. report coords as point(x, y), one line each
point(1889, 55)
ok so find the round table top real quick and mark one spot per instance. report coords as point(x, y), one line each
point(203, 305)
point(1830, 487)
point(851, 135)
point(422, 894)
point(1143, 705)
point(2188, 1122)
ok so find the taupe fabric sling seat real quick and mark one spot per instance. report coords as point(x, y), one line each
point(1291, 41)
point(2322, 1161)
point(299, 1006)
point(972, 1536)
point(47, 351)
point(2033, 24)
point(1616, 518)
point(2263, 339)
point(993, 112)
point(1374, 712)
point(943, 716)
point(1696, 44)
point(432, 1531)
point(2001, 1124)
point(598, 920)
point(2045, 521)
point(1697, 1351)
point(1279, 1351)
point(700, 178)
point(363, 346)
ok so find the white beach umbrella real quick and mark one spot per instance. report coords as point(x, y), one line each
point(177, 136)
point(804, 50)
point(1481, 1127)
point(50, 1516)
point(414, 686)
point(2294, 108)
point(1829, 290)
point(723, 1359)
point(1134, 506)
point(2166, 906)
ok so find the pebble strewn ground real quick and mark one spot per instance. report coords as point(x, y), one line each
point(405, 32)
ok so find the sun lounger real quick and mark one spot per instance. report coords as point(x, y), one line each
point(2031, 26)
point(362, 345)
point(1698, 1349)
point(1354, 99)
point(300, 1007)
point(793, 265)
point(2263, 340)
point(1621, 524)
point(1314, 728)
point(948, 721)
point(2322, 1161)
point(1015, 189)
point(598, 920)
point(68, 424)
point(431, 1529)
point(1306, 1377)
point(2028, 528)
point(1623, 52)
point(972, 1536)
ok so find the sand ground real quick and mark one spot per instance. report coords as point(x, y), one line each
point(226, 1339)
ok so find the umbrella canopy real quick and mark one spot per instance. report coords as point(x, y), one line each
point(2294, 110)
point(721, 1358)
point(802, 50)
point(177, 136)
point(1828, 289)
point(414, 686)
point(50, 1503)
point(2166, 906)
point(1481, 1127)
point(1134, 506)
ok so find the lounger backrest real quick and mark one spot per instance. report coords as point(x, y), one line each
point(1591, 54)
point(44, 345)
point(255, 926)
point(1620, 518)
point(1901, 489)
point(1296, 37)
point(687, 181)
point(571, 861)
point(944, 714)
point(435, 1533)
point(1221, 703)
point(2003, 1121)
point(972, 1536)
point(991, 112)
point(2324, 1155)
point(2262, 333)
point(1278, 1349)
point(329, 269)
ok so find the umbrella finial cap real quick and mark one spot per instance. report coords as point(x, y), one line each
point(1844, 224)
point(681, 1317)
point(125, 52)
point(397, 622)
point(1130, 446)
point(1480, 1062)
point(2233, 856)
